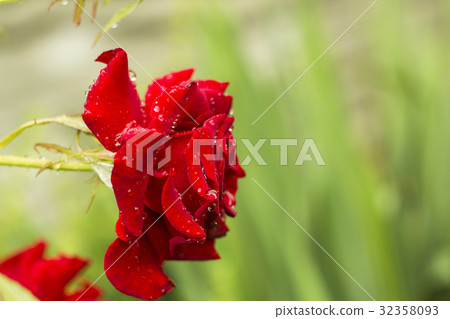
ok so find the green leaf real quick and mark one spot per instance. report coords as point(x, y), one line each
point(104, 171)
point(13, 291)
point(78, 11)
point(75, 122)
point(7, 1)
point(117, 17)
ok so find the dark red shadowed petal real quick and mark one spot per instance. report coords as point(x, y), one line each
point(219, 228)
point(107, 56)
point(157, 233)
point(112, 103)
point(182, 249)
point(177, 108)
point(129, 186)
point(193, 159)
point(154, 192)
point(137, 271)
point(177, 214)
point(132, 165)
point(211, 126)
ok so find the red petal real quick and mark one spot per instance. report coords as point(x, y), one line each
point(157, 233)
point(136, 270)
point(45, 278)
point(164, 83)
point(181, 249)
point(112, 103)
point(88, 293)
point(212, 85)
point(53, 276)
point(154, 192)
point(225, 127)
point(178, 107)
point(129, 186)
point(107, 56)
point(177, 214)
point(17, 267)
point(194, 168)
point(122, 230)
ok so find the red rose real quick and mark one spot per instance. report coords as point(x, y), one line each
point(47, 278)
point(169, 188)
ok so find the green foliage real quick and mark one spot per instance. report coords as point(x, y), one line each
point(75, 122)
point(12, 291)
point(125, 11)
point(8, 1)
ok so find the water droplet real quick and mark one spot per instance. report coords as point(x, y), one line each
point(173, 170)
point(211, 194)
point(130, 193)
point(156, 109)
point(132, 75)
point(64, 3)
point(212, 207)
point(144, 215)
point(160, 117)
point(231, 112)
point(199, 190)
point(114, 26)
point(137, 259)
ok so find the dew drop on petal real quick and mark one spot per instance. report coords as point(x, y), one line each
point(114, 26)
point(211, 194)
point(156, 109)
point(132, 75)
point(64, 3)
point(137, 259)
point(160, 117)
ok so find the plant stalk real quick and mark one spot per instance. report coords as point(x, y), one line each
point(7, 160)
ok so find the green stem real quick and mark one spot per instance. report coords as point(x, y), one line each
point(40, 163)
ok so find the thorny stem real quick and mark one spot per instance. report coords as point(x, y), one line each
point(6, 160)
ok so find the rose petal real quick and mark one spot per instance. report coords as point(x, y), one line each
point(177, 214)
point(129, 187)
point(136, 270)
point(182, 249)
point(54, 275)
point(87, 293)
point(112, 103)
point(164, 83)
point(157, 233)
point(17, 267)
point(177, 108)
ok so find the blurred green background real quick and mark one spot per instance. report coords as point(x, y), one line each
point(376, 105)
